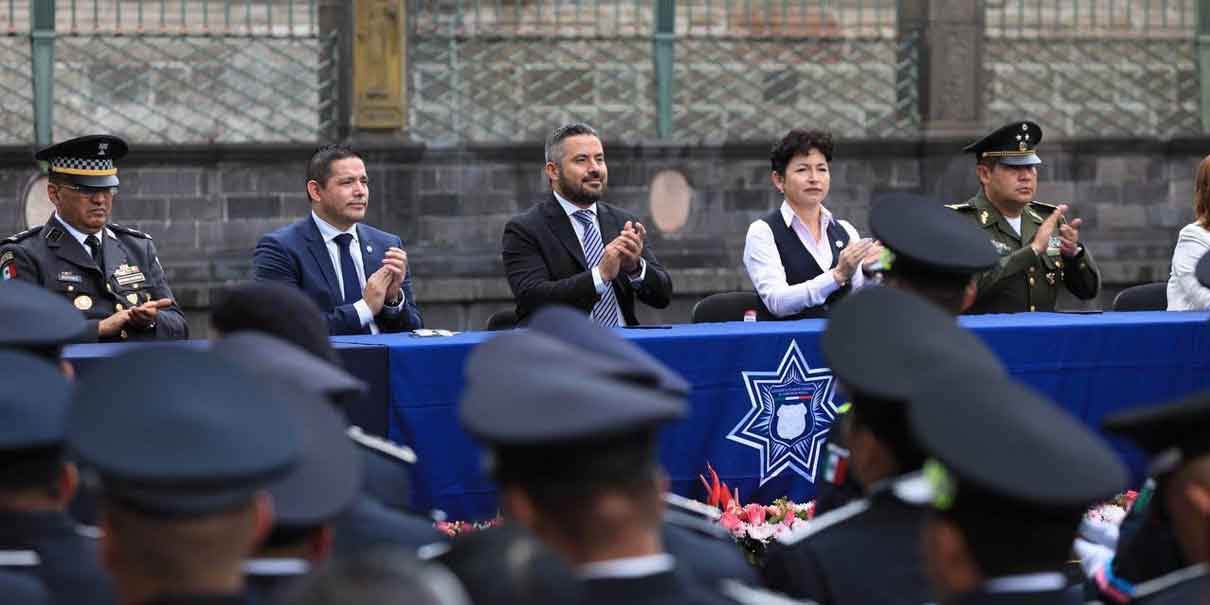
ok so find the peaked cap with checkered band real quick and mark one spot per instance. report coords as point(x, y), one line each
point(87, 161)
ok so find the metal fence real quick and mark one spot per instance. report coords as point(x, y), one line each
point(176, 71)
point(493, 71)
point(1094, 68)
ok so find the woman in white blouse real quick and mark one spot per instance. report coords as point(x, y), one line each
point(1184, 292)
point(799, 257)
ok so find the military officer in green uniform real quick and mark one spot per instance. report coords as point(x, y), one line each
point(109, 272)
point(1039, 248)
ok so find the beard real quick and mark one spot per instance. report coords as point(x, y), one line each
point(576, 193)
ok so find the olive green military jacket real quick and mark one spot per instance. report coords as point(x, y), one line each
point(1023, 281)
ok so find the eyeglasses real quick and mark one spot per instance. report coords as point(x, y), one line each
point(90, 191)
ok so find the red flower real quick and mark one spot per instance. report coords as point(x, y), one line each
point(755, 513)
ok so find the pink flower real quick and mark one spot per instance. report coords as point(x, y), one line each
point(789, 519)
point(755, 514)
point(762, 532)
point(730, 521)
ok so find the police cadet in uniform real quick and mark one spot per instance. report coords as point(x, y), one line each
point(574, 454)
point(1174, 437)
point(37, 482)
point(877, 342)
point(1039, 248)
point(185, 454)
point(109, 272)
point(691, 533)
point(1010, 477)
point(931, 252)
point(39, 323)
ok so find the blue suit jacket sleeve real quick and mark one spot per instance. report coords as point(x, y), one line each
point(408, 317)
point(274, 261)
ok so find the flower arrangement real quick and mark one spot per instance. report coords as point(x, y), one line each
point(754, 525)
point(457, 528)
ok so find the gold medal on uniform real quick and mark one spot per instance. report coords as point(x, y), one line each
point(83, 302)
point(1050, 278)
point(133, 298)
point(983, 217)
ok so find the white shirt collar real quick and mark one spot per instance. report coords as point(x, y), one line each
point(80, 235)
point(787, 214)
point(329, 232)
point(1029, 582)
point(276, 567)
point(571, 208)
point(630, 567)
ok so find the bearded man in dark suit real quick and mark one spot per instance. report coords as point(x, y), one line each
point(571, 248)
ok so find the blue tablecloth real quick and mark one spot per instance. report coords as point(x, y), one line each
point(1091, 363)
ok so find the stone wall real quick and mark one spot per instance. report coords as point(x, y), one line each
point(206, 207)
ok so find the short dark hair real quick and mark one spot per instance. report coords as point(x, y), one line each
point(946, 290)
point(554, 142)
point(1017, 543)
point(800, 141)
point(277, 310)
point(319, 168)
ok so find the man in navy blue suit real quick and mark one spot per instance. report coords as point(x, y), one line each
point(358, 275)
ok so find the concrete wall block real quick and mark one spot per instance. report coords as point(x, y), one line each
point(1145, 193)
point(750, 200)
point(282, 178)
point(236, 178)
point(236, 236)
point(1169, 216)
point(181, 271)
point(1056, 192)
point(435, 204)
point(228, 269)
point(1180, 191)
point(1133, 168)
point(905, 174)
point(1114, 216)
point(485, 231)
point(196, 208)
point(261, 206)
point(135, 208)
point(184, 182)
point(1094, 193)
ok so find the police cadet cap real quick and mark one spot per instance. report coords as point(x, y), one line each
point(327, 476)
point(1203, 270)
point(879, 340)
point(999, 445)
point(178, 432)
point(1012, 144)
point(269, 356)
point(87, 160)
point(569, 326)
point(34, 317)
point(924, 236)
point(525, 388)
point(34, 398)
point(1171, 434)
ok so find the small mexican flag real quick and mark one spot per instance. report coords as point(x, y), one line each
point(837, 465)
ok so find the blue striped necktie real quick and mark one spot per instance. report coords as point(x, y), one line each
point(605, 311)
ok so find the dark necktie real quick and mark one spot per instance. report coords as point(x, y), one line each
point(348, 271)
point(94, 247)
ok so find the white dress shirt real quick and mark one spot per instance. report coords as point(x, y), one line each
point(597, 281)
point(81, 236)
point(329, 233)
point(769, 276)
point(1185, 293)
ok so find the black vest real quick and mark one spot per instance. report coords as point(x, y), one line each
point(799, 265)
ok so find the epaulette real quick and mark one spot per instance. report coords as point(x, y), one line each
point(751, 595)
point(825, 521)
point(382, 446)
point(17, 237)
point(127, 230)
point(960, 207)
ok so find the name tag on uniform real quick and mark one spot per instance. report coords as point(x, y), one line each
point(128, 274)
point(68, 276)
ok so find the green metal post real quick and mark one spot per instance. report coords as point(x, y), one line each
point(665, 40)
point(42, 51)
point(1203, 59)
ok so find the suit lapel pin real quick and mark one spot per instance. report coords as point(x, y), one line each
point(369, 249)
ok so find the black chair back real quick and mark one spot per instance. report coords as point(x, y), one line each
point(729, 306)
point(502, 320)
point(1146, 297)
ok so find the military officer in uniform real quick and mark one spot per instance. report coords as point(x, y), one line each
point(1039, 248)
point(109, 272)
